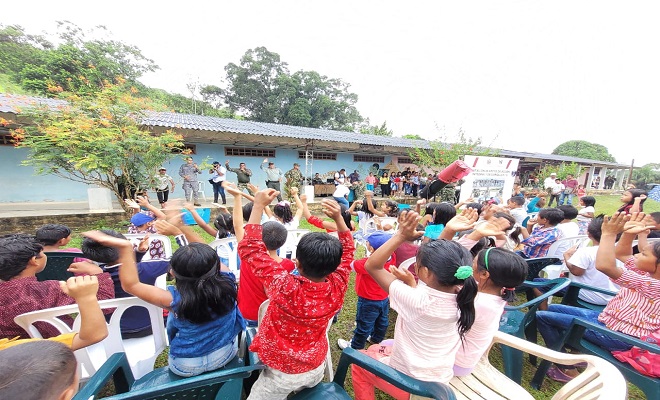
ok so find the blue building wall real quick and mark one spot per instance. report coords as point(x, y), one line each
point(20, 183)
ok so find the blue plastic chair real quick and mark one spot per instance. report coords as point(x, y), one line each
point(523, 325)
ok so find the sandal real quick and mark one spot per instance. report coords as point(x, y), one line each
point(558, 375)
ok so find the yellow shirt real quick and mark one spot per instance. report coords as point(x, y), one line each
point(384, 180)
point(67, 339)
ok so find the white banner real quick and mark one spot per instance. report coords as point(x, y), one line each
point(491, 177)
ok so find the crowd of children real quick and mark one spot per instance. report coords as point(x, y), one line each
point(469, 258)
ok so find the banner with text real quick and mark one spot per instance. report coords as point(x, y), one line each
point(491, 177)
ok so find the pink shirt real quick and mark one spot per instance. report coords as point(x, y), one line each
point(635, 311)
point(370, 179)
point(488, 312)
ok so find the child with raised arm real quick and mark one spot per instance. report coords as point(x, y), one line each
point(292, 335)
point(204, 321)
point(433, 315)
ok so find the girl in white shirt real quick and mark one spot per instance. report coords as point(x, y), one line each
point(497, 272)
point(434, 315)
point(586, 213)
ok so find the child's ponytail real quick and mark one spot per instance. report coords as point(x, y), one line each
point(465, 299)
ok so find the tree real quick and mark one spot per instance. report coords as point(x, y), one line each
point(262, 89)
point(649, 173)
point(96, 140)
point(562, 170)
point(412, 136)
point(382, 130)
point(583, 149)
point(444, 152)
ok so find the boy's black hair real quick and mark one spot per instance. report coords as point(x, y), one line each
point(273, 235)
point(594, 229)
point(506, 268)
point(519, 200)
point(224, 223)
point(16, 250)
point(553, 215)
point(247, 211)
point(346, 215)
point(95, 251)
point(589, 201)
point(37, 370)
point(50, 234)
point(319, 254)
point(443, 258)
point(569, 211)
point(205, 293)
point(656, 216)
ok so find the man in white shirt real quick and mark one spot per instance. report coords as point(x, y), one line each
point(340, 177)
point(218, 175)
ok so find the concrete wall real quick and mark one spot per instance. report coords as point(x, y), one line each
point(20, 183)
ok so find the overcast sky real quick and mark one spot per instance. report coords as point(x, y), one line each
point(528, 75)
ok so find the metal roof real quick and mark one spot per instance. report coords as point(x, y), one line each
point(13, 103)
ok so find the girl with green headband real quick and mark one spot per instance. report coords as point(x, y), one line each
point(497, 272)
point(433, 315)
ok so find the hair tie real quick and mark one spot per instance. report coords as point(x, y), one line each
point(486, 257)
point(207, 274)
point(508, 289)
point(283, 203)
point(463, 272)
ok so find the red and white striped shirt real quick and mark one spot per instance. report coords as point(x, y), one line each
point(635, 311)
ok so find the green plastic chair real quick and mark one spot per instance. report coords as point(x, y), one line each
point(335, 390)
point(574, 337)
point(224, 383)
point(573, 291)
point(523, 325)
point(56, 266)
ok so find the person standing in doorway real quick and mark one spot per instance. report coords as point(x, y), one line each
point(273, 176)
point(188, 172)
point(162, 183)
point(243, 174)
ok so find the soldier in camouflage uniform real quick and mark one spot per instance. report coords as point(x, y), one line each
point(294, 177)
point(359, 188)
point(448, 194)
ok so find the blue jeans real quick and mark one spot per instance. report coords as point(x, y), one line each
point(342, 200)
point(218, 189)
point(553, 323)
point(187, 367)
point(372, 319)
point(563, 196)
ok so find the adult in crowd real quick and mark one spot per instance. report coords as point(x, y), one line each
point(354, 176)
point(317, 180)
point(188, 172)
point(340, 177)
point(294, 177)
point(570, 187)
point(549, 182)
point(162, 186)
point(218, 175)
point(273, 176)
point(243, 174)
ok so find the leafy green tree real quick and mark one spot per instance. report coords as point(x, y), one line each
point(96, 140)
point(262, 89)
point(649, 173)
point(562, 170)
point(583, 149)
point(382, 130)
point(412, 136)
point(444, 152)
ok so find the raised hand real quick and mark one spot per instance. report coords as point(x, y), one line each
point(167, 228)
point(408, 227)
point(331, 209)
point(294, 191)
point(81, 288)
point(131, 203)
point(144, 243)
point(494, 227)
point(107, 240)
point(615, 224)
point(86, 267)
point(463, 221)
point(265, 197)
point(303, 198)
point(142, 201)
point(253, 188)
point(638, 223)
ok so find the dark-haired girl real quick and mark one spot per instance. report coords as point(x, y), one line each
point(434, 315)
point(204, 320)
point(586, 213)
point(633, 201)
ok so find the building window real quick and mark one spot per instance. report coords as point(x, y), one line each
point(362, 158)
point(319, 156)
point(247, 152)
point(405, 160)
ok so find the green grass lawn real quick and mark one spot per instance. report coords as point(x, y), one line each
point(345, 324)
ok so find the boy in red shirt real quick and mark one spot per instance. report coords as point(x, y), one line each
point(292, 335)
point(373, 305)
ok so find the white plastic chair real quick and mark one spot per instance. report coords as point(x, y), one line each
point(141, 352)
point(228, 248)
point(200, 191)
point(557, 249)
point(167, 244)
point(328, 372)
point(293, 237)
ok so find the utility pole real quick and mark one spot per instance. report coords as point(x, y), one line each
point(630, 172)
